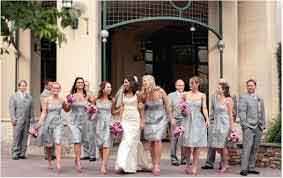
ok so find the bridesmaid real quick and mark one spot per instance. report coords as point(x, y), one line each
point(222, 106)
point(103, 120)
point(156, 115)
point(78, 118)
point(52, 124)
point(196, 123)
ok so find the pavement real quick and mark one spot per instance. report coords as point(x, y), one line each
point(36, 166)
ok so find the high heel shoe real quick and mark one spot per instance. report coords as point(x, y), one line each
point(156, 170)
point(58, 168)
point(188, 170)
point(103, 170)
point(78, 166)
point(224, 169)
point(194, 172)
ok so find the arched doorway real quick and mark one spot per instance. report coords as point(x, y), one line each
point(156, 37)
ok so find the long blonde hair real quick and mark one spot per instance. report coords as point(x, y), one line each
point(145, 92)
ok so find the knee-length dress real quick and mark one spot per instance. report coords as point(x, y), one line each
point(195, 134)
point(219, 130)
point(103, 121)
point(155, 120)
point(52, 129)
point(78, 120)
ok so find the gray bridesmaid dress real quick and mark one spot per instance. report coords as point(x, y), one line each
point(103, 121)
point(52, 129)
point(155, 120)
point(219, 130)
point(195, 134)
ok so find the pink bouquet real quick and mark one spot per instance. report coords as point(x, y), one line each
point(179, 131)
point(234, 136)
point(184, 108)
point(70, 98)
point(33, 131)
point(116, 129)
point(92, 110)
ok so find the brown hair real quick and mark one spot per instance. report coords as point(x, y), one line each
point(251, 80)
point(225, 87)
point(101, 88)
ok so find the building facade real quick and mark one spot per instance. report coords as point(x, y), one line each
point(168, 39)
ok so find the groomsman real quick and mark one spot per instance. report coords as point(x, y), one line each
point(252, 120)
point(45, 94)
point(175, 98)
point(89, 147)
point(21, 113)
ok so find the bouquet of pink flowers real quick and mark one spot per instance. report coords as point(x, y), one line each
point(116, 129)
point(33, 131)
point(70, 98)
point(179, 131)
point(184, 108)
point(234, 136)
point(92, 110)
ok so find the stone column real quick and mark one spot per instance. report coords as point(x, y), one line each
point(80, 56)
point(213, 52)
point(230, 37)
point(257, 50)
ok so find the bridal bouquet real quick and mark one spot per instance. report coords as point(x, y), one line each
point(116, 129)
point(184, 107)
point(179, 131)
point(70, 99)
point(91, 110)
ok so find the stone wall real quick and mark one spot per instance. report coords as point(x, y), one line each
point(268, 155)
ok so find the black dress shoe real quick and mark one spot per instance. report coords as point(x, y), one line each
point(92, 159)
point(175, 162)
point(253, 172)
point(22, 157)
point(244, 173)
point(85, 158)
point(207, 167)
point(15, 158)
point(183, 162)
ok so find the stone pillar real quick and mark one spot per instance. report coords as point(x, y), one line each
point(35, 82)
point(24, 72)
point(230, 37)
point(257, 50)
point(213, 52)
point(80, 56)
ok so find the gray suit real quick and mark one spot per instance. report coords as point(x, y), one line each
point(21, 112)
point(89, 147)
point(252, 119)
point(174, 100)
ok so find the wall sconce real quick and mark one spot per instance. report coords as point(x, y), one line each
point(192, 28)
point(67, 4)
point(221, 45)
point(104, 34)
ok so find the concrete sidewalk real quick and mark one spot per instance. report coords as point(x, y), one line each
point(36, 166)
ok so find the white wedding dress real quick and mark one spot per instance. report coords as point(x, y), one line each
point(131, 155)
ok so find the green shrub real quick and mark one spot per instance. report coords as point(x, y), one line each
point(274, 132)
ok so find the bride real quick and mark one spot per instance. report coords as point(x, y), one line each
point(131, 155)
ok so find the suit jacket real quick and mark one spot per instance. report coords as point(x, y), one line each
point(21, 109)
point(251, 111)
point(174, 101)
